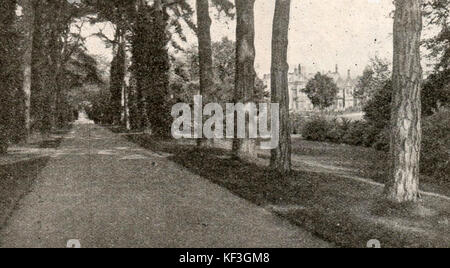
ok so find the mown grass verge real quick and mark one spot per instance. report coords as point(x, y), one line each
point(17, 178)
point(344, 212)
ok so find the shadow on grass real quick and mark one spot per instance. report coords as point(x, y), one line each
point(50, 144)
point(17, 179)
point(362, 162)
point(330, 207)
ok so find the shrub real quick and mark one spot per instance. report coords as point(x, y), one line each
point(435, 157)
point(297, 123)
point(378, 109)
point(336, 133)
point(338, 129)
point(316, 130)
point(356, 133)
point(436, 146)
point(382, 140)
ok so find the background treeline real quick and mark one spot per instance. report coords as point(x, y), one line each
point(146, 79)
point(43, 59)
point(139, 95)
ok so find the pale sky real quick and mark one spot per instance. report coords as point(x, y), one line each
point(322, 33)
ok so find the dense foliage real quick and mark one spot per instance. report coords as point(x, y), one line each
point(437, 14)
point(322, 91)
point(9, 74)
point(435, 159)
point(316, 129)
point(374, 77)
point(99, 107)
point(153, 66)
point(185, 75)
point(378, 109)
point(54, 46)
point(436, 92)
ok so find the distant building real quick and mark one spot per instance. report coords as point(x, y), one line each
point(299, 101)
point(345, 98)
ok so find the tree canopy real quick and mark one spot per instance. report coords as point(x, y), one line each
point(322, 91)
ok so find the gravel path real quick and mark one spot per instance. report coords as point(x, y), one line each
point(104, 191)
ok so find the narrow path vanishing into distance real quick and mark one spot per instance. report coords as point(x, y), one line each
point(105, 191)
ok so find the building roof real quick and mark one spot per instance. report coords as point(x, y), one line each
point(299, 76)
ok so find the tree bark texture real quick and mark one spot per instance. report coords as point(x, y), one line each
point(403, 185)
point(281, 156)
point(245, 70)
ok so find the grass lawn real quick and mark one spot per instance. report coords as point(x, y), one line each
point(358, 161)
point(345, 212)
point(19, 171)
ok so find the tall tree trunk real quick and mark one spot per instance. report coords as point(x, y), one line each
point(41, 95)
point(245, 69)
point(28, 29)
point(158, 108)
point(204, 49)
point(281, 156)
point(117, 77)
point(139, 40)
point(151, 65)
point(8, 72)
point(125, 96)
point(124, 92)
point(56, 46)
point(403, 185)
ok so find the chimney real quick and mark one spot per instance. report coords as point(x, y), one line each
point(300, 69)
point(349, 73)
point(337, 69)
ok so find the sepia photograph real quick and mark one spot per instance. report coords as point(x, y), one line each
point(224, 131)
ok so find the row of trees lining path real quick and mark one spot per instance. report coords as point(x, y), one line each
point(407, 78)
point(42, 57)
point(139, 86)
point(405, 144)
